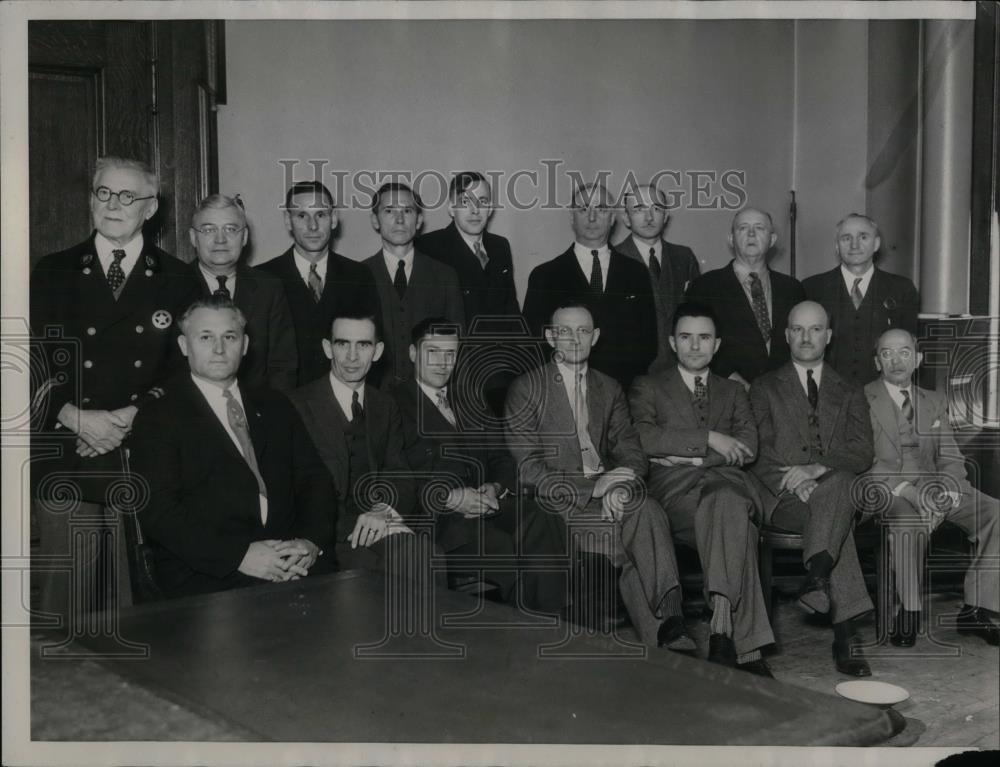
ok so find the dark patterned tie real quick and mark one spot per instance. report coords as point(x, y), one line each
point(238, 423)
point(856, 296)
point(907, 406)
point(700, 390)
point(116, 276)
point(760, 306)
point(315, 283)
point(654, 265)
point(596, 280)
point(481, 254)
point(222, 290)
point(400, 280)
point(812, 389)
point(357, 412)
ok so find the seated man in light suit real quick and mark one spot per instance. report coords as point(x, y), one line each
point(237, 493)
point(923, 475)
point(358, 433)
point(568, 428)
point(698, 430)
point(814, 440)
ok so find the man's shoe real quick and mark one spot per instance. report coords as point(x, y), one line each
point(976, 622)
point(904, 628)
point(673, 635)
point(852, 664)
point(721, 650)
point(758, 667)
point(814, 596)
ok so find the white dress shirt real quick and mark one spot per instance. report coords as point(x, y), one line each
point(586, 261)
point(850, 277)
point(303, 265)
point(643, 249)
point(213, 283)
point(344, 395)
point(801, 370)
point(688, 378)
point(104, 246)
point(392, 263)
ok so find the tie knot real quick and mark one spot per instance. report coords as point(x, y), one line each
point(857, 282)
point(809, 374)
point(698, 381)
point(312, 269)
point(227, 393)
point(222, 282)
point(754, 277)
point(906, 394)
point(401, 265)
point(118, 254)
point(354, 398)
point(652, 252)
point(593, 253)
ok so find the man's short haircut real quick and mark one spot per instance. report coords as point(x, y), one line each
point(361, 316)
point(770, 221)
point(220, 202)
point(433, 326)
point(461, 182)
point(864, 217)
point(693, 309)
point(395, 187)
point(215, 303)
point(573, 303)
point(316, 188)
point(629, 190)
point(587, 192)
point(111, 161)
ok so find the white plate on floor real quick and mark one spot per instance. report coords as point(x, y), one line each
point(875, 693)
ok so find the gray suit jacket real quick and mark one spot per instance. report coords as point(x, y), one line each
point(541, 433)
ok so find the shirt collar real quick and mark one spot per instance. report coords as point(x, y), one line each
point(688, 378)
point(344, 395)
point(743, 271)
point(471, 241)
point(570, 373)
point(643, 249)
point(303, 264)
point(132, 249)
point(850, 277)
point(212, 390)
point(801, 370)
point(213, 283)
point(392, 261)
point(432, 392)
point(896, 392)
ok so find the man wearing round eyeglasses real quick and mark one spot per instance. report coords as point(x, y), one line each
point(219, 233)
point(922, 477)
point(102, 318)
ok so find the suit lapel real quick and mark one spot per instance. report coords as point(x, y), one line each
point(246, 290)
point(255, 424)
point(557, 405)
point(596, 397)
point(213, 428)
point(924, 426)
point(679, 397)
point(376, 428)
point(832, 398)
point(717, 402)
point(326, 410)
point(571, 269)
point(796, 399)
point(882, 406)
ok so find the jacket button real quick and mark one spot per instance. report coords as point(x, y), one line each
point(134, 397)
point(139, 328)
point(88, 364)
point(91, 331)
point(138, 363)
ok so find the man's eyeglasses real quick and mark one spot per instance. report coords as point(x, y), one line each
point(564, 331)
point(125, 196)
point(210, 230)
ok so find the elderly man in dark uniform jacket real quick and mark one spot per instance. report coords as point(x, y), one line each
point(102, 317)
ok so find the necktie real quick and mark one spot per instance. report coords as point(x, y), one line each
point(315, 283)
point(760, 306)
point(480, 253)
point(700, 390)
point(856, 296)
point(444, 407)
point(812, 389)
point(907, 406)
point(222, 290)
point(596, 281)
point(654, 265)
point(238, 423)
point(400, 281)
point(591, 460)
point(116, 276)
point(357, 412)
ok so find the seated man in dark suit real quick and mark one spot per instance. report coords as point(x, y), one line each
point(815, 439)
point(219, 233)
point(358, 433)
point(615, 288)
point(698, 430)
point(318, 282)
point(862, 300)
point(410, 285)
point(750, 301)
point(480, 514)
point(922, 473)
point(569, 430)
point(236, 492)
point(672, 268)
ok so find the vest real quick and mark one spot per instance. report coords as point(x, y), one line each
point(358, 466)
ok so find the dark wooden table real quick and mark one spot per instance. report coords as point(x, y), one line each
point(323, 659)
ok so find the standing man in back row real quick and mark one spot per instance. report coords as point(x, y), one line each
point(318, 282)
point(862, 300)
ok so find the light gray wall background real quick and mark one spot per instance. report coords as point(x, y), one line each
point(804, 103)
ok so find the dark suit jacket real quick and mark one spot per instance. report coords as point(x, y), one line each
point(891, 302)
point(272, 360)
point(743, 349)
point(348, 287)
point(782, 411)
point(432, 291)
point(202, 509)
point(679, 268)
point(625, 312)
point(486, 292)
point(327, 426)
point(541, 433)
point(665, 419)
point(98, 353)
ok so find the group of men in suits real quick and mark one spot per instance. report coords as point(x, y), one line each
point(385, 392)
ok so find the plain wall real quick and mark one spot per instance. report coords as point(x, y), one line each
point(641, 95)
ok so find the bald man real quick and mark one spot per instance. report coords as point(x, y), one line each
point(750, 300)
point(814, 440)
point(922, 475)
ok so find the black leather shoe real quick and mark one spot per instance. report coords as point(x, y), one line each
point(904, 628)
point(848, 663)
point(975, 622)
point(814, 596)
point(758, 667)
point(673, 635)
point(721, 650)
